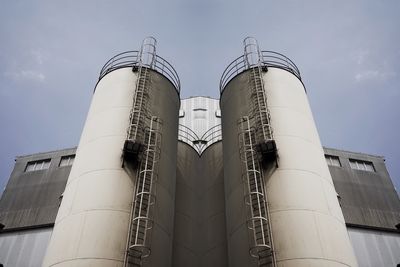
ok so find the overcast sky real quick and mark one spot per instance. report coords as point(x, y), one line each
point(52, 51)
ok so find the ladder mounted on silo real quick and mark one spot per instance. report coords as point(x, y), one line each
point(259, 110)
point(138, 245)
point(255, 196)
point(133, 145)
point(142, 146)
point(257, 145)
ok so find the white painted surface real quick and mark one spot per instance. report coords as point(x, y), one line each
point(92, 222)
point(307, 223)
point(24, 248)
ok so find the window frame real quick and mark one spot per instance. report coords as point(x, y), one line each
point(67, 157)
point(329, 160)
point(362, 165)
point(37, 165)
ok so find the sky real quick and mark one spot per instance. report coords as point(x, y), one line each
point(52, 51)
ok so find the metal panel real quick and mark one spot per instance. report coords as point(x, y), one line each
point(367, 198)
point(24, 248)
point(200, 226)
point(199, 114)
point(32, 198)
point(375, 248)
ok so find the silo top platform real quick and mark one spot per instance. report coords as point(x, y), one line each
point(130, 59)
point(267, 59)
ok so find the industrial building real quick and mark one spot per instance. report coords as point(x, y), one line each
point(161, 181)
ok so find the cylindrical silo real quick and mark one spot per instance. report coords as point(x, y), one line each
point(304, 218)
point(95, 215)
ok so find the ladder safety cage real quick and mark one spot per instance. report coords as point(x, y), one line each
point(141, 222)
point(259, 111)
point(257, 145)
point(255, 197)
point(267, 59)
point(143, 145)
point(147, 55)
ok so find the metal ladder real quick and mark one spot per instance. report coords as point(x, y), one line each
point(139, 111)
point(255, 196)
point(141, 223)
point(256, 143)
point(259, 111)
point(143, 145)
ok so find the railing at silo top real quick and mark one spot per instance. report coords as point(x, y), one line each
point(268, 59)
point(188, 136)
point(131, 59)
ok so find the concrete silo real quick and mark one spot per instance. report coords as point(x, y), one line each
point(121, 189)
point(281, 205)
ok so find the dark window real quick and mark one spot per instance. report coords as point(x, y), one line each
point(332, 160)
point(37, 165)
point(361, 165)
point(67, 160)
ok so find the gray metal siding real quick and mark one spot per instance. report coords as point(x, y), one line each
point(367, 198)
point(375, 248)
point(32, 198)
point(24, 248)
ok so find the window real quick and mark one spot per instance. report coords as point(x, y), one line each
point(218, 113)
point(333, 160)
point(199, 113)
point(181, 113)
point(67, 160)
point(37, 165)
point(361, 165)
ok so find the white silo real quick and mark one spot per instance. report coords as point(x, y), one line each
point(120, 192)
point(281, 205)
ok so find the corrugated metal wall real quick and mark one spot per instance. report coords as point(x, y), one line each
point(199, 113)
point(24, 248)
point(375, 248)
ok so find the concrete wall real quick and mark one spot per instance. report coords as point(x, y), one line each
point(94, 215)
point(307, 223)
point(367, 198)
point(24, 248)
point(200, 226)
point(33, 198)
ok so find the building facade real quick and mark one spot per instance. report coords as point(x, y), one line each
point(160, 181)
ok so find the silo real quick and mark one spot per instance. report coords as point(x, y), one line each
point(281, 205)
point(200, 226)
point(118, 203)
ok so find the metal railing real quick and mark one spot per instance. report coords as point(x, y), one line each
point(188, 136)
point(268, 59)
point(131, 59)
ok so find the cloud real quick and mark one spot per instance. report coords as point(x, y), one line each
point(25, 75)
point(38, 56)
point(361, 56)
point(368, 75)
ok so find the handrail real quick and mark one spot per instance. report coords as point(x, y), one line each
point(188, 136)
point(268, 59)
point(131, 59)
